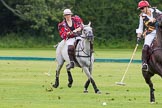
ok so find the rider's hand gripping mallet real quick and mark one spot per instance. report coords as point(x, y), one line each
point(121, 82)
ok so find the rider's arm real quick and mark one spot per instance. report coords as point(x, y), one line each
point(139, 31)
point(63, 33)
point(78, 23)
point(77, 29)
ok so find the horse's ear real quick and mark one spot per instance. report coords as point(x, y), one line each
point(83, 25)
point(89, 23)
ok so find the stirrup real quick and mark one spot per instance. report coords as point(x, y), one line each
point(70, 65)
point(145, 67)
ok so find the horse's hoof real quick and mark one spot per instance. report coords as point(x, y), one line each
point(85, 91)
point(152, 102)
point(55, 85)
point(69, 85)
point(97, 91)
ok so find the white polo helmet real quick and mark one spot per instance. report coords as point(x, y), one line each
point(67, 11)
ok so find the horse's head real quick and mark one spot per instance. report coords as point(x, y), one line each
point(87, 32)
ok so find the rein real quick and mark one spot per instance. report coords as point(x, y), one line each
point(155, 49)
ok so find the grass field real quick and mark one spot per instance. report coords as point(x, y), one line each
point(23, 84)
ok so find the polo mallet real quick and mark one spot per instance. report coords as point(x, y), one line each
point(49, 71)
point(121, 82)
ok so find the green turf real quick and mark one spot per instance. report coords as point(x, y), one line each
point(23, 84)
point(99, 53)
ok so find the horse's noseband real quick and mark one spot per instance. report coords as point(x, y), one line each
point(90, 36)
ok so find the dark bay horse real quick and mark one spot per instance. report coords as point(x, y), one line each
point(155, 59)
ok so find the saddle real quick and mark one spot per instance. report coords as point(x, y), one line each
point(75, 45)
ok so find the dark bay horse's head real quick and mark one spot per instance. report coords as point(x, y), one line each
point(87, 32)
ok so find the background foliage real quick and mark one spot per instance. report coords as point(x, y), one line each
point(33, 23)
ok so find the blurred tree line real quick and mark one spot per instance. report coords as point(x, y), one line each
point(114, 21)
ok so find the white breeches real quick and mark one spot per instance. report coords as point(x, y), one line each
point(149, 38)
point(66, 42)
point(61, 51)
point(71, 41)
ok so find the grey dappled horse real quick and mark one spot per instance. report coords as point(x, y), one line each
point(83, 56)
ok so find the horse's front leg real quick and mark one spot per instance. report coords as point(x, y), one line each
point(86, 86)
point(70, 79)
point(152, 96)
point(86, 70)
point(147, 78)
point(59, 66)
point(88, 81)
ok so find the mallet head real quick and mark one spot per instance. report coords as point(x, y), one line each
point(120, 83)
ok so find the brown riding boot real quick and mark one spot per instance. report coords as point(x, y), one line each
point(71, 54)
point(145, 57)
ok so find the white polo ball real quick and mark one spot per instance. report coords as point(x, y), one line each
point(104, 103)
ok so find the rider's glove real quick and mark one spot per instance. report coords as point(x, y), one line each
point(138, 40)
point(74, 31)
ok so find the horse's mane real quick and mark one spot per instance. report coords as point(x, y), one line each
point(159, 36)
point(159, 29)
